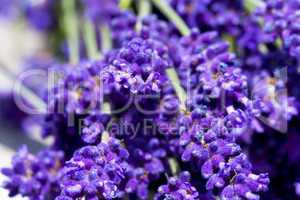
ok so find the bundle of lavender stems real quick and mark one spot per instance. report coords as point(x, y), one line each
point(158, 99)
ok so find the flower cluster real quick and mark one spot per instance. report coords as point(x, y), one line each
point(225, 16)
point(36, 177)
point(138, 66)
point(148, 163)
point(177, 188)
point(95, 172)
point(162, 115)
point(100, 14)
point(213, 149)
point(280, 22)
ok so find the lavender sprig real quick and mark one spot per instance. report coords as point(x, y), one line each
point(95, 172)
point(35, 177)
point(178, 188)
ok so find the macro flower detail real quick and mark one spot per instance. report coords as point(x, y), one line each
point(34, 176)
point(178, 188)
point(95, 172)
point(152, 99)
point(138, 66)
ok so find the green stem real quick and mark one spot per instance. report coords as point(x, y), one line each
point(106, 109)
point(90, 40)
point(125, 4)
point(252, 5)
point(230, 40)
point(173, 166)
point(70, 26)
point(180, 92)
point(171, 14)
point(144, 8)
point(106, 42)
point(278, 43)
point(106, 45)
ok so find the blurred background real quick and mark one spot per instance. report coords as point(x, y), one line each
point(19, 42)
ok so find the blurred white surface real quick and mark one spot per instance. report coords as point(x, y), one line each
point(17, 42)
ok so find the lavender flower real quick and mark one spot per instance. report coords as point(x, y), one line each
point(107, 12)
point(77, 94)
point(280, 22)
point(78, 91)
point(138, 66)
point(35, 177)
point(122, 27)
point(224, 16)
point(100, 11)
point(177, 188)
point(211, 146)
point(95, 172)
point(148, 163)
point(270, 32)
point(94, 126)
point(204, 56)
point(205, 135)
point(200, 132)
point(244, 186)
point(157, 29)
point(42, 14)
point(278, 106)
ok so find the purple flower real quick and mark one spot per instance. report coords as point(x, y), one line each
point(94, 125)
point(204, 59)
point(281, 22)
point(100, 10)
point(120, 22)
point(277, 107)
point(35, 177)
point(224, 16)
point(201, 134)
point(244, 186)
point(178, 188)
point(138, 67)
point(210, 145)
point(148, 163)
point(95, 172)
point(41, 15)
point(122, 27)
